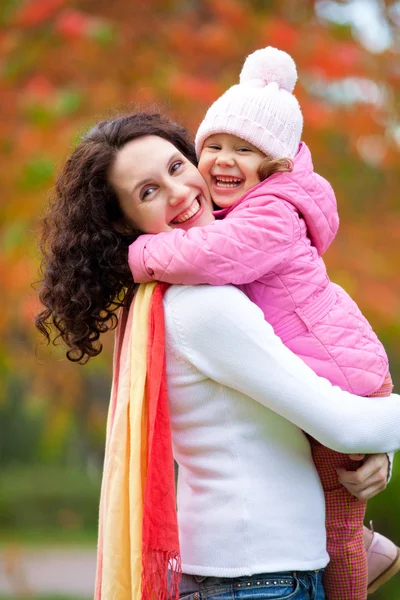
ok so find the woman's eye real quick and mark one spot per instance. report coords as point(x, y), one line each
point(147, 192)
point(175, 166)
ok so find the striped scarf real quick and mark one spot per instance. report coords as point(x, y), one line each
point(138, 530)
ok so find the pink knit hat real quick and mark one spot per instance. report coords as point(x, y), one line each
point(261, 109)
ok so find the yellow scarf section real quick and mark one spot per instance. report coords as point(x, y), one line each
point(119, 558)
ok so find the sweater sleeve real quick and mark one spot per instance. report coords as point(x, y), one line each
point(390, 456)
point(254, 239)
point(224, 335)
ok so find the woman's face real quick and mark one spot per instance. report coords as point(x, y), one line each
point(158, 188)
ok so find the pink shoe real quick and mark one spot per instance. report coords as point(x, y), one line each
point(383, 559)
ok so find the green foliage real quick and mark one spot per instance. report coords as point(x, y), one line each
point(36, 173)
point(49, 500)
point(104, 34)
point(8, 8)
point(21, 428)
point(14, 235)
point(68, 103)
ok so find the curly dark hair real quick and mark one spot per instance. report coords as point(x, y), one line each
point(85, 271)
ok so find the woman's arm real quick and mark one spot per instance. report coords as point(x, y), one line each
point(224, 336)
point(253, 240)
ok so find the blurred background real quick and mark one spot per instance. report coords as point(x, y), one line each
point(64, 65)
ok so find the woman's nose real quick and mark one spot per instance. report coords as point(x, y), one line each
point(178, 193)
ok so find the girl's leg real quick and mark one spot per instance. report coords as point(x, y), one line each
point(346, 576)
point(382, 554)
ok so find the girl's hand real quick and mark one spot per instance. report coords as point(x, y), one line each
point(370, 479)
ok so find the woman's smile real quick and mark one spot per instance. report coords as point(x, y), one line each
point(188, 213)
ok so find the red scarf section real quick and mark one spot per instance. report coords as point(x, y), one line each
point(160, 550)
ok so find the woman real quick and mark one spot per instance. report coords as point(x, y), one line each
point(251, 511)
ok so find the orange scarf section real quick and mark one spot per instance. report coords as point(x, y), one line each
point(138, 530)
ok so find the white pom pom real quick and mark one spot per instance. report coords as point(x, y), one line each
point(270, 65)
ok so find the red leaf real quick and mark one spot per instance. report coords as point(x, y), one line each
point(73, 24)
point(34, 12)
point(39, 87)
point(280, 34)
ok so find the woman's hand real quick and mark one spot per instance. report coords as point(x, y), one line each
point(370, 479)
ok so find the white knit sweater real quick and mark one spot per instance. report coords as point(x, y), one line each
point(249, 497)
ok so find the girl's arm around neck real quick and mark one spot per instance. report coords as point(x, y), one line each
point(254, 239)
point(224, 335)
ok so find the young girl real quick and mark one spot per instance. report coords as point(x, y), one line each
point(279, 218)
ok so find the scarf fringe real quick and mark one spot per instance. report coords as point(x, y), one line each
point(161, 574)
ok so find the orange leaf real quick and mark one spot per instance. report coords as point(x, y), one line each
point(231, 12)
point(39, 87)
point(280, 34)
point(192, 88)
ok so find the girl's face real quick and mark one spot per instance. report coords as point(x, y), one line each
point(158, 188)
point(230, 167)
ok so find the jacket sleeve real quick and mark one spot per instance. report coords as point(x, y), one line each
point(253, 240)
point(224, 335)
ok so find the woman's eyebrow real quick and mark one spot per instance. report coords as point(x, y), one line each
point(173, 157)
point(140, 183)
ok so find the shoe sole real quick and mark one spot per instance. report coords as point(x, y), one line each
point(386, 575)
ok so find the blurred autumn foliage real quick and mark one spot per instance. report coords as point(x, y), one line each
point(65, 64)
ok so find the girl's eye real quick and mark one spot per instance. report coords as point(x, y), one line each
point(147, 192)
point(175, 166)
point(244, 149)
point(214, 147)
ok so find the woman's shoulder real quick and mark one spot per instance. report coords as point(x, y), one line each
point(203, 295)
point(194, 307)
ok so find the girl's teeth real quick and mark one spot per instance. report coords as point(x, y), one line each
point(190, 212)
point(228, 182)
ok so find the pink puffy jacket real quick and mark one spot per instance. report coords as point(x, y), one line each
point(270, 244)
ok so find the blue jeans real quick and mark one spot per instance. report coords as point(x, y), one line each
point(302, 585)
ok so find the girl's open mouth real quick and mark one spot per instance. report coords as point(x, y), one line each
point(188, 213)
point(225, 182)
